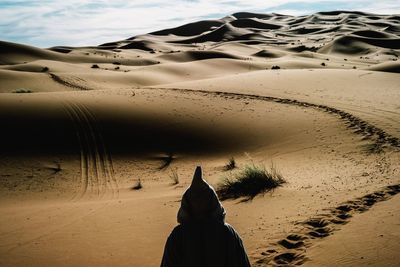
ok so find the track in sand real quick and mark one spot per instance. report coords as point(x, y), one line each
point(97, 171)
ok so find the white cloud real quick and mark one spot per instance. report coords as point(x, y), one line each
point(89, 22)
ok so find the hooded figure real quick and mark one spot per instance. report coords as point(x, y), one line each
point(202, 238)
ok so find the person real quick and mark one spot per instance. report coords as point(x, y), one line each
point(202, 238)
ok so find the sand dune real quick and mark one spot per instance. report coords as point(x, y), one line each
point(316, 95)
point(191, 29)
point(17, 53)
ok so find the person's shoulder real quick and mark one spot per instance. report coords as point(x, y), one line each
point(176, 232)
point(177, 229)
point(229, 228)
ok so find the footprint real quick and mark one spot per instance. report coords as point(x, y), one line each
point(290, 244)
point(268, 252)
point(320, 232)
point(393, 189)
point(317, 222)
point(345, 208)
point(344, 216)
point(338, 221)
point(296, 237)
point(289, 257)
point(369, 201)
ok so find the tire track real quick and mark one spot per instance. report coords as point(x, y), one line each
point(80, 133)
point(291, 250)
point(366, 130)
point(91, 148)
point(104, 155)
point(97, 171)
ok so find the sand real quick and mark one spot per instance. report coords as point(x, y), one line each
point(317, 96)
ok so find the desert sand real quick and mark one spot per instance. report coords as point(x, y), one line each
point(317, 96)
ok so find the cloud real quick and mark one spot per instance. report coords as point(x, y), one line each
point(91, 22)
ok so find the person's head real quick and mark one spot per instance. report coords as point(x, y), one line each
point(200, 202)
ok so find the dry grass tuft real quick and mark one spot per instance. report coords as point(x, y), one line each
point(138, 185)
point(250, 182)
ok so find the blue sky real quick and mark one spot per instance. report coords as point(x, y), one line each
point(47, 23)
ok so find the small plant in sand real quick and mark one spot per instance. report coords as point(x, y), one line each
point(275, 67)
point(138, 185)
point(22, 91)
point(174, 176)
point(56, 168)
point(95, 66)
point(251, 181)
point(230, 165)
point(167, 160)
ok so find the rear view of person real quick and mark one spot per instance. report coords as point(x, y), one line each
point(202, 238)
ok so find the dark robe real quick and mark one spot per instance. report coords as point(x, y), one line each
point(211, 244)
point(203, 239)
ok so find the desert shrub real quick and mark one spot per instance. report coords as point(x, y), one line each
point(138, 185)
point(45, 69)
point(275, 67)
point(95, 66)
point(22, 91)
point(56, 168)
point(230, 165)
point(174, 176)
point(167, 160)
point(323, 64)
point(251, 181)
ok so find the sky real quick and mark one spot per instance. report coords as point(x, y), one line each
point(47, 23)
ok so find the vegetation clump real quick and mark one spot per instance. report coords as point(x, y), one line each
point(95, 66)
point(138, 185)
point(22, 91)
point(167, 160)
point(174, 176)
point(250, 182)
point(275, 67)
point(230, 165)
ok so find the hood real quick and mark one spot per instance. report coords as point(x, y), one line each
point(200, 202)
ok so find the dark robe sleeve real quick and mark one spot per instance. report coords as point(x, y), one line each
point(172, 255)
point(237, 253)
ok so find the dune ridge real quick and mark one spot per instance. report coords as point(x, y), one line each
point(331, 33)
